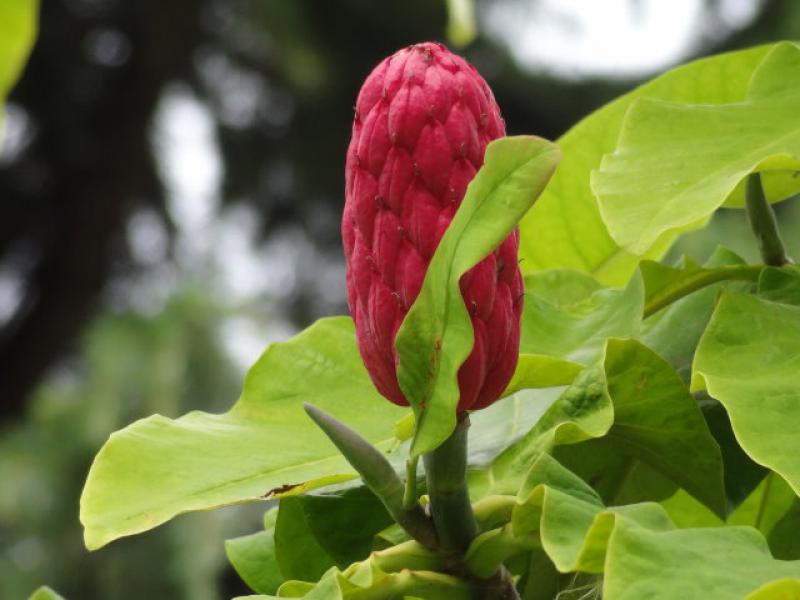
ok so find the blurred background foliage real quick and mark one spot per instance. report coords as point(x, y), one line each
point(170, 190)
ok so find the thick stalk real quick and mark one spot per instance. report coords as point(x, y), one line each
point(446, 473)
point(763, 223)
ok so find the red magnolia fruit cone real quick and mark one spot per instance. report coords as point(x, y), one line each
point(423, 119)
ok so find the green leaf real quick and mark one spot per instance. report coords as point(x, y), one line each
point(299, 553)
point(540, 371)
point(573, 524)
point(18, 27)
point(783, 539)
point(635, 399)
point(749, 360)
point(657, 421)
point(782, 589)
point(780, 285)
point(577, 331)
point(45, 593)
point(564, 228)
point(768, 503)
point(204, 461)
point(497, 427)
point(677, 163)
point(742, 474)
point(675, 331)
point(253, 557)
point(562, 287)
point(615, 476)
point(344, 523)
point(436, 335)
point(583, 411)
point(723, 563)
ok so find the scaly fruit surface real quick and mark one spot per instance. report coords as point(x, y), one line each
point(422, 122)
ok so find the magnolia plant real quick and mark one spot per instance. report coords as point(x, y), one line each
point(633, 424)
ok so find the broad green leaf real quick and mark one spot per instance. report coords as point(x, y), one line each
point(768, 503)
point(299, 553)
point(264, 446)
point(642, 407)
point(577, 331)
point(573, 524)
point(562, 287)
point(18, 26)
point(719, 563)
point(436, 335)
point(540, 371)
point(657, 421)
point(783, 539)
point(688, 513)
point(564, 228)
point(615, 476)
point(676, 163)
point(45, 593)
point(742, 474)
point(674, 331)
point(583, 411)
point(253, 557)
point(782, 589)
point(780, 285)
point(495, 428)
point(344, 523)
point(763, 509)
point(749, 360)
point(541, 580)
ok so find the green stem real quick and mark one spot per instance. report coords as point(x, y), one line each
point(763, 223)
point(410, 494)
point(701, 280)
point(446, 473)
point(419, 584)
point(492, 511)
point(408, 555)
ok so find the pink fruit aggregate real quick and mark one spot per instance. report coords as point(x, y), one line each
point(422, 122)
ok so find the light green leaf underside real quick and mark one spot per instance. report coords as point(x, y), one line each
point(749, 360)
point(564, 228)
point(203, 461)
point(436, 335)
point(638, 401)
point(676, 163)
point(18, 25)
